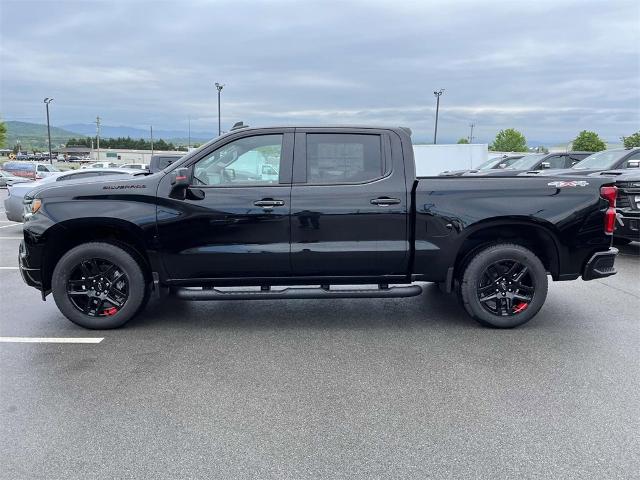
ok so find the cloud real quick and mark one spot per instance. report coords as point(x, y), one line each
point(549, 68)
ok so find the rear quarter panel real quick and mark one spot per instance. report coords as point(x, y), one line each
point(450, 209)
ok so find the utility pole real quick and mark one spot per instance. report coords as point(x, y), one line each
point(47, 101)
point(189, 141)
point(152, 140)
point(435, 132)
point(471, 134)
point(98, 136)
point(219, 87)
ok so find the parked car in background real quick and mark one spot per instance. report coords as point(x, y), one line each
point(101, 165)
point(32, 170)
point(614, 159)
point(7, 179)
point(160, 162)
point(537, 162)
point(135, 166)
point(13, 204)
point(627, 204)
point(491, 164)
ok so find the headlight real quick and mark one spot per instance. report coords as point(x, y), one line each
point(35, 205)
point(31, 206)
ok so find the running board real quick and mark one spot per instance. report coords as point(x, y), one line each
point(297, 293)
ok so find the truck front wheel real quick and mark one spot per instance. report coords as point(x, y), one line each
point(504, 286)
point(98, 286)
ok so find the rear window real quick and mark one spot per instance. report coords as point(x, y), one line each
point(343, 158)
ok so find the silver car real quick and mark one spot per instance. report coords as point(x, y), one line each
point(7, 179)
point(14, 203)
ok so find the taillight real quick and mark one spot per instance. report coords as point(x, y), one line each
point(609, 194)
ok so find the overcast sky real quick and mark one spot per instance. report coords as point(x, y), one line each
point(548, 68)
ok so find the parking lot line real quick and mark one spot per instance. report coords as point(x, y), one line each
point(12, 225)
point(10, 238)
point(8, 268)
point(50, 340)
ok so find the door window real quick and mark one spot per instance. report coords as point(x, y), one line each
point(246, 161)
point(343, 158)
point(557, 161)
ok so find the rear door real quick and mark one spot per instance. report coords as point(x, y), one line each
point(349, 205)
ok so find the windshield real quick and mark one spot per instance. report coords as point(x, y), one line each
point(526, 163)
point(601, 160)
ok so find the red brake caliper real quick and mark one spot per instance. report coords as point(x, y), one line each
point(110, 311)
point(521, 307)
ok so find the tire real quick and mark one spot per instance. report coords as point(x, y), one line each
point(493, 272)
point(81, 267)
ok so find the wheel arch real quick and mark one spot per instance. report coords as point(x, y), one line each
point(536, 236)
point(66, 235)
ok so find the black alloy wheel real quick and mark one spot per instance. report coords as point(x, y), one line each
point(98, 287)
point(506, 288)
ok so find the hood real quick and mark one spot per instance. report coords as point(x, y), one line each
point(102, 185)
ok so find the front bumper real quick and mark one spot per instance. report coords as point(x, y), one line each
point(628, 226)
point(31, 275)
point(600, 265)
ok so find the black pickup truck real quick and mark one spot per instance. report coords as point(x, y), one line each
point(312, 209)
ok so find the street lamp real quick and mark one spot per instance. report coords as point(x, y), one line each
point(437, 94)
point(219, 87)
point(47, 101)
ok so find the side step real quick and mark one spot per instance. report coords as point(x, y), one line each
point(297, 293)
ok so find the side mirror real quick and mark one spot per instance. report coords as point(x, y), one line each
point(633, 164)
point(503, 165)
point(179, 183)
point(544, 165)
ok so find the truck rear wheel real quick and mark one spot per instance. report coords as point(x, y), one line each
point(99, 286)
point(504, 286)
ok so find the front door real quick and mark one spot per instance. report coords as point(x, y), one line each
point(235, 219)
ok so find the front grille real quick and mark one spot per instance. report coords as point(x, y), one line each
point(622, 200)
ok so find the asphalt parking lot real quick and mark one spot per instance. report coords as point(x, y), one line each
point(397, 388)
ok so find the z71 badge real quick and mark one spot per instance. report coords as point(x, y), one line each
point(573, 183)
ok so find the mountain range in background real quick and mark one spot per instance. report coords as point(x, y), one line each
point(33, 136)
point(107, 131)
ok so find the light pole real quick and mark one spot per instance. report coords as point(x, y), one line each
point(219, 87)
point(47, 101)
point(471, 133)
point(435, 132)
point(98, 137)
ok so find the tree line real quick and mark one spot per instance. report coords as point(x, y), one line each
point(511, 140)
point(124, 143)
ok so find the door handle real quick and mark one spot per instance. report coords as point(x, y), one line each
point(385, 201)
point(268, 203)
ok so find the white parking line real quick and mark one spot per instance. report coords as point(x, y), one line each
point(9, 268)
point(50, 340)
point(12, 225)
point(11, 238)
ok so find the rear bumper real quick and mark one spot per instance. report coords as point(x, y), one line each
point(600, 265)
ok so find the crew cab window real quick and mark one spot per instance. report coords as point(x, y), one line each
point(343, 158)
point(246, 161)
point(557, 161)
point(635, 157)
